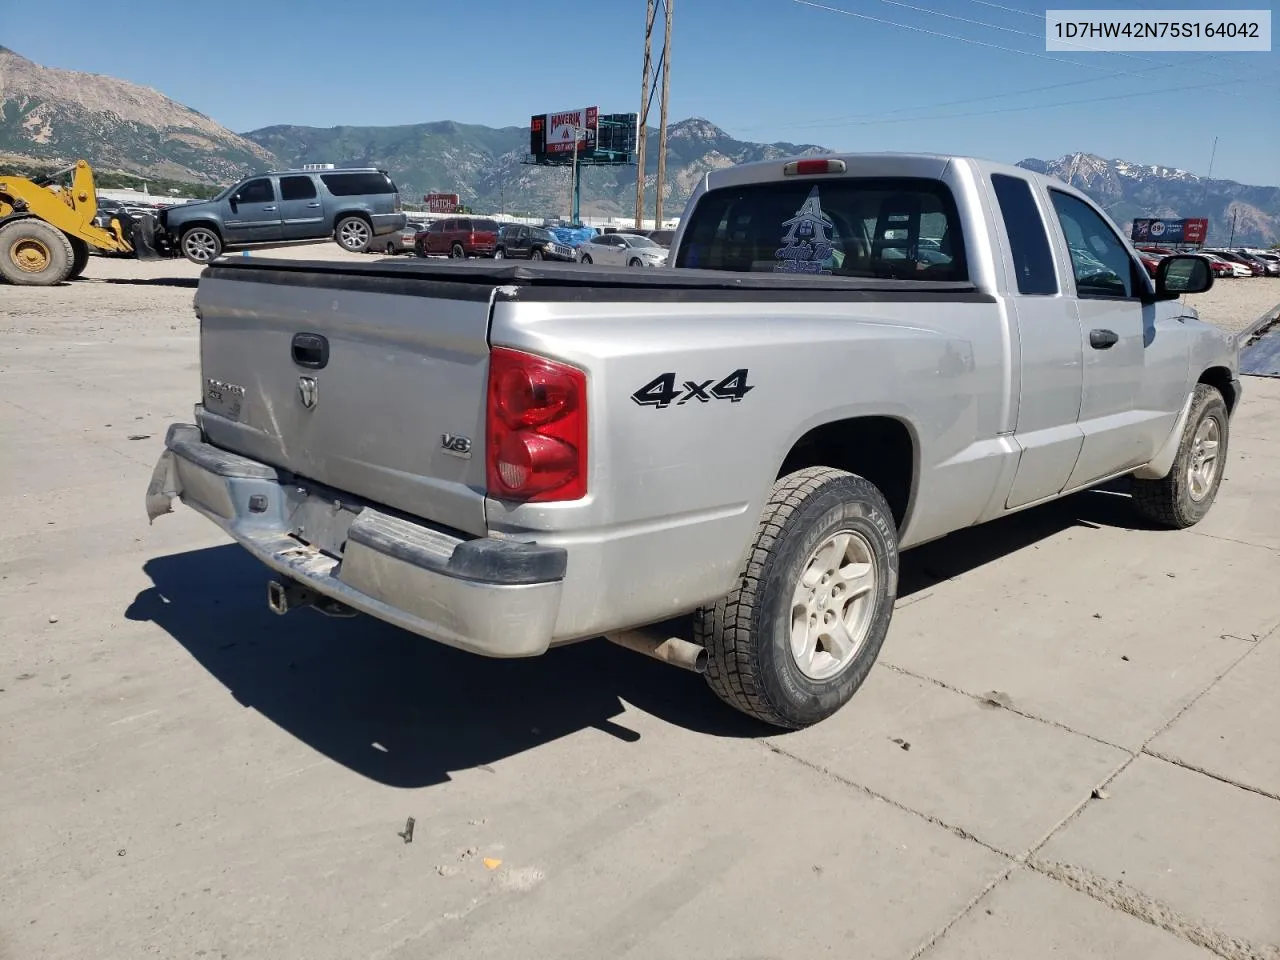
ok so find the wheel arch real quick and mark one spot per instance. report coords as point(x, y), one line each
point(213, 225)
point(1222, 380)
point(880, 448)
point(361, 214)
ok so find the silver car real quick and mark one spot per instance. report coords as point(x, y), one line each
point(622, 250)
point(401, 241)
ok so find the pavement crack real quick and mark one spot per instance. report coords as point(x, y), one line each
point(960, 832)
point(1221, 778)
point(984, 698)
point(1120, 896)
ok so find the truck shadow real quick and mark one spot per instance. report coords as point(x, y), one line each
point(405, 712)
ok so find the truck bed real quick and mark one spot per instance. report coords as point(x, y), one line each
point(475, 279)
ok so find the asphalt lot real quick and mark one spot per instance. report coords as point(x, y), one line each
point(1069, 747)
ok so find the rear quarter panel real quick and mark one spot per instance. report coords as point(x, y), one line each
point(675, 494)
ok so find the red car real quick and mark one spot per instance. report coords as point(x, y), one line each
point(1150, 261)
point(458, 237)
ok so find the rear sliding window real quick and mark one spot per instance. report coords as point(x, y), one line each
point(901, 228)
point(357, 184)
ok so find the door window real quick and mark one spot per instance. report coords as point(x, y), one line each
point(1099, 259)
point(257, 191)
point(297, 188)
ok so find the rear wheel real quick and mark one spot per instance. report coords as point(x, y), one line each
point(34, 253)
point(457, 253)
point(201, 245)
point(79, 257)
point(499, 254)
point(1182, 498)
point(391, 249)
point(797, 637)
point(353, 234)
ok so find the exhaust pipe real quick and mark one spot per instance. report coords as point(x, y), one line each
point(283, 597)
point(661, 645)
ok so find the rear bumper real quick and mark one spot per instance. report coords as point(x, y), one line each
point(489, 596)
point(388, 222)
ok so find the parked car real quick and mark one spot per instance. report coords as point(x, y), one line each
point(622, 250)
point(1222, 269)
point(662, 238)
point(1270, 265)
point(401, 241)
point(1150, 261)
point(1251, 269)
point(458, 238)
point(354, 206)
point(507, 466)
point(520, 242)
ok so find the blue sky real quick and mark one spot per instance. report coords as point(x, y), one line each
point(761, 69)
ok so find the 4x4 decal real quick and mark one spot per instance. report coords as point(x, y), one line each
point(661, 391)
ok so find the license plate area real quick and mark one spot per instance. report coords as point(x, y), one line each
point(322, 521)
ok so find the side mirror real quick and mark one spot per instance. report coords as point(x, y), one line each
point(1181, 274)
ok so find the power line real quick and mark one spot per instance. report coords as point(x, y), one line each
point(1035, 106)
point(967, 100)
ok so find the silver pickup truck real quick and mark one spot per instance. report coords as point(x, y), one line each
point(717, 463)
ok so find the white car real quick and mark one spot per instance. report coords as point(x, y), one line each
point(622, 250)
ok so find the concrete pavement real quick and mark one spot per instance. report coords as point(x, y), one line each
point(1068, 749)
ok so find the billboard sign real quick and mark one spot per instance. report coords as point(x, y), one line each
point(1149, 230)
point(558, 130)
point(442, 202)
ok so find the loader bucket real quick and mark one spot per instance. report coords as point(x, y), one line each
point(142, 238)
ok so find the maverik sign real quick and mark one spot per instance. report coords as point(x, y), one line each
point(560, 129)
point(1170, 231)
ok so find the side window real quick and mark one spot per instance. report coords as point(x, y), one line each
point(463, 225)
point(297, 188)
point(257, 191)
point(450, 226)
point(1032, 258)
point(357, 184)
point(1100, 261)
point(437, 227)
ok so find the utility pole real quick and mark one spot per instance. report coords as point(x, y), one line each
point(573, 182)
point(1234, 216)
point(642, 133)
point(662, 118)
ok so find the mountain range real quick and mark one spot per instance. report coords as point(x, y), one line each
point(51, 115)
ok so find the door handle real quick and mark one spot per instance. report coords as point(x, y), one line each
point(313, 206)
point(268, 208)
point(310, 350)
point(1103, 339)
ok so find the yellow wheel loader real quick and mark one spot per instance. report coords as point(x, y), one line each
point(47, 228)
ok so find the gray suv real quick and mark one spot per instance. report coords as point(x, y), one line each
point(353, 206)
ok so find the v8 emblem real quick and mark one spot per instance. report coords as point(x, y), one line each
point(456, 445)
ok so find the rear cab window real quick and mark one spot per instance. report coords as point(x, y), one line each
point(894, 228)
point(357, 184)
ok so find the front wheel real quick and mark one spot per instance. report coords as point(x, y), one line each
point(353, 234)
point(499, 254)
point(797, 637)
point(34, 253)
point(536, 254)
point(79, 257)
point(634, 262)
point(201, 245)
point(586, 258)
point(1183, 497)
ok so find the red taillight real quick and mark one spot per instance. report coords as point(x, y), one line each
point(804, 168)
point(535, 428)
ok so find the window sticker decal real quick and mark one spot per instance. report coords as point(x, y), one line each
point(805, 245)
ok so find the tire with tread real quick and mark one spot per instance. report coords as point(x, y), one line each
point(1168, 501)
point(56, 244)
point(211, 242)
point(353, 233)
point(79, 257)
point(747, 633)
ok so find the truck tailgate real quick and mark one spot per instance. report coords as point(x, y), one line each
point(370, 383)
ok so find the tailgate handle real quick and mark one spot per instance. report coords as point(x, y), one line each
point(310, 350)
